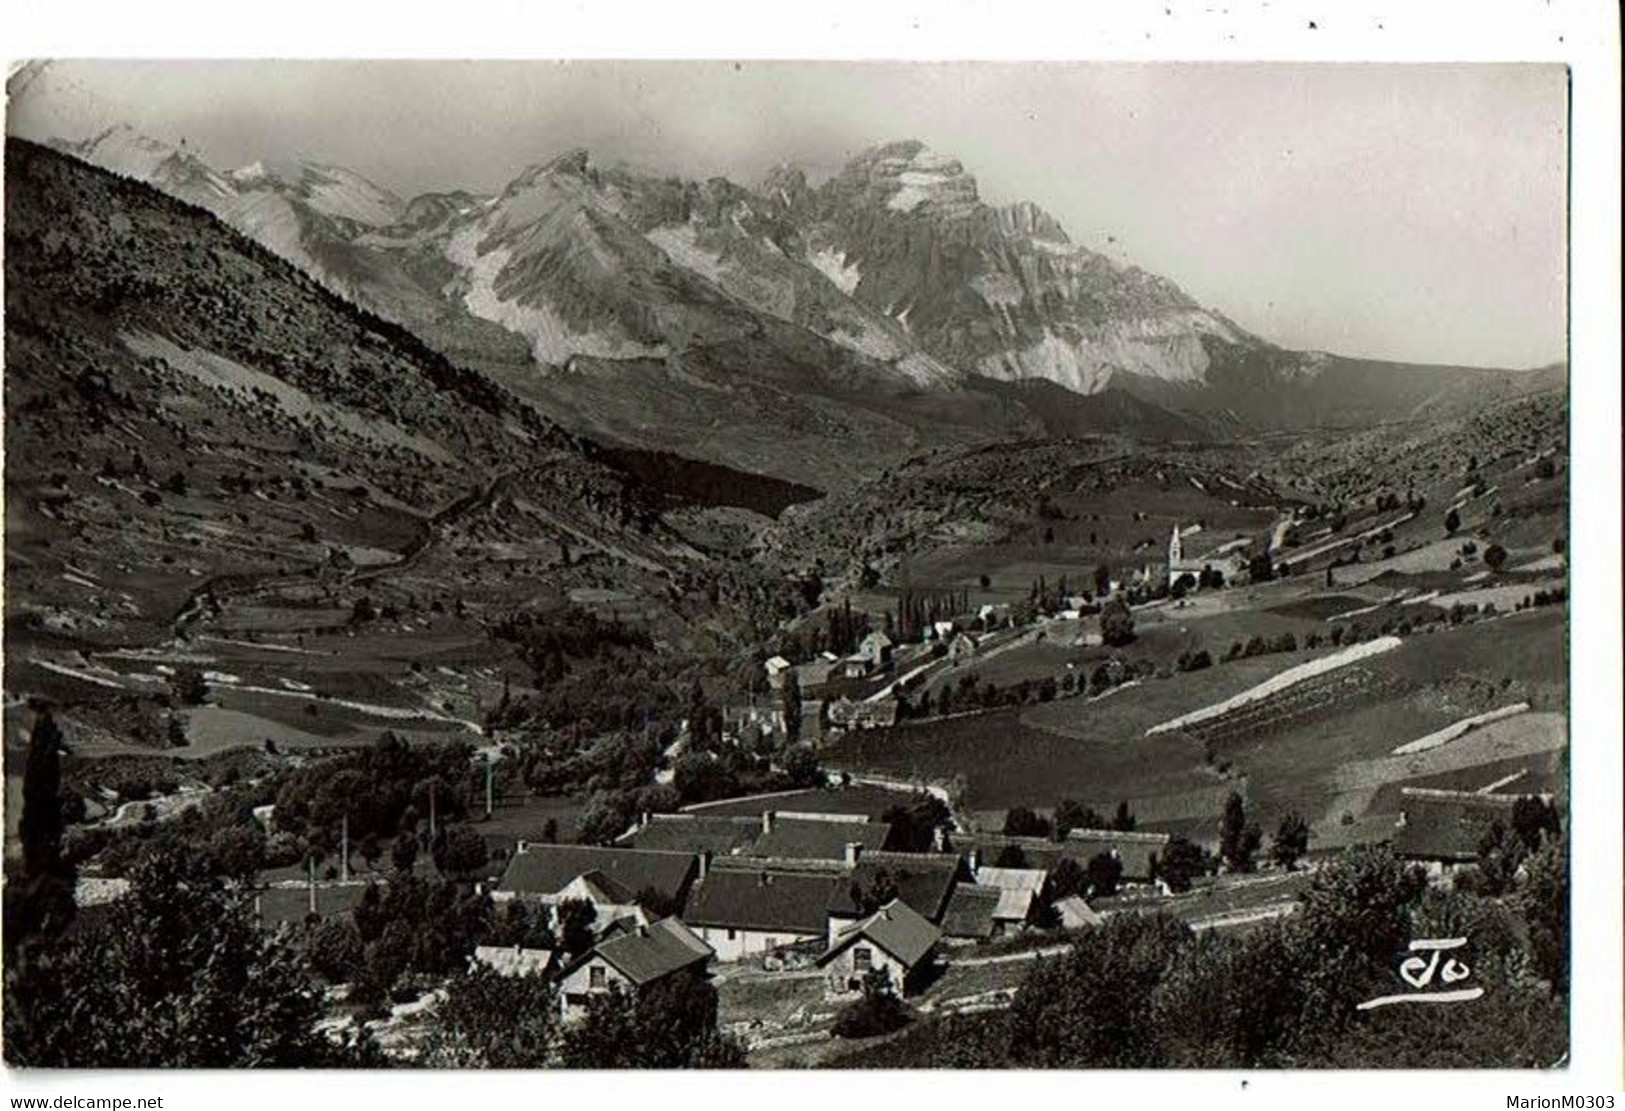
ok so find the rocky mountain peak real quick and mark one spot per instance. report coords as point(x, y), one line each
point(1024, 218)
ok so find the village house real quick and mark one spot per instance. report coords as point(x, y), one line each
point(632, 961)
point(715, 835)
point(752, 721)
point(1020, 890)
point(802, 836)
point(775, 667)
point(744, 911)
point(961, 648)
point(607, 877)
point(1440, 830)
point(894, 940)
point(925, 881)
point(877, 647)
point(1074, 913)
point(813, 678)
point(786, 835)
point(970, 913)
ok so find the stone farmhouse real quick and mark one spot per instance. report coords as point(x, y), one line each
point(895, 941)
point(632, 961)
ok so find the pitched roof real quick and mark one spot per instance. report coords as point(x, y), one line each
point(647, 954)
point(822, 838)
point(694, 833)
point(1018, 889)
point(815, 673)
point(511, 960)
point(924, 881)
point(896, 928)
point(1137, 851)
point(738, 898)
point(547, 869)
point(970, 911)
point(1076, 913)
point(1448, 826)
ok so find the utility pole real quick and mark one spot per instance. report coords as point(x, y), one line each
point(344, 851)
point(310, 861)
point(490, 775)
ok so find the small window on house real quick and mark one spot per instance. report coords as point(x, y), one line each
point(595, 977)
point(863, 958)
point(733, 934)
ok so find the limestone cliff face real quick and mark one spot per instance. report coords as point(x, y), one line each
point(1001, 292)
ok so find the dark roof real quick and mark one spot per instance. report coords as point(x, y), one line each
point(895, 928)
point(924, 881)
point(694, 833)
point(646, 955)
point(857, 800)
point(970, 911)
point(757, 899)
point(794, 838)
point(1138, 852)
point(548, 869)
point(1448, 825)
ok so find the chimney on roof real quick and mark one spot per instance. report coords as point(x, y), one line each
point(853, 850)
point(643, 819)
point(520, 846)
point(975, 859)
point(705, 863)
point(643, 930)
point(763, 880)
point(939, 841)
point(768, 818)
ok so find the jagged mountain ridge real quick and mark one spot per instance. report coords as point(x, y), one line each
point(791, 329)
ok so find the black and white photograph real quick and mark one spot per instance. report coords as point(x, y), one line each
point(614, 563)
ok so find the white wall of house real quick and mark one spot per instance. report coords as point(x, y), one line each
point(838, 924)
point(735, 944)
point(847, 970)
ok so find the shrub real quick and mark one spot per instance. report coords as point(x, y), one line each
point(878, 1012)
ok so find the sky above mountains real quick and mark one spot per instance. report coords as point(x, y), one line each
point(1415, 213)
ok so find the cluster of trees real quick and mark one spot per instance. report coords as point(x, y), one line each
point(877, 1011)
point(404, 935)
point(917, 610)
point(1116, 622)
point(1555, 596)
point(492, 1021)
point(915, 825)
point(1070, 814)
point(176, 973)
point(384, 793)
point(972, 693)
point(602, 675)
point(1260, 646)
point(220, 830)
point(700, 776)
point(1284, 994)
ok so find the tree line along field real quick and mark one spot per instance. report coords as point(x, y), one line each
point(1283, 753)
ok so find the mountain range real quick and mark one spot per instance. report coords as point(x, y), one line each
point(798, 330)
